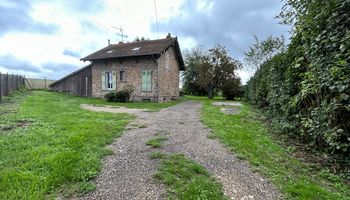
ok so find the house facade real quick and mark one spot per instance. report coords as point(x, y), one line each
point(152, 67)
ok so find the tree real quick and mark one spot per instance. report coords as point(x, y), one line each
point(217, 69)
point(262, 51)
point(193, 59)
point(137, 39)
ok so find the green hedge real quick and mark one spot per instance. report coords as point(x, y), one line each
point(307, 88)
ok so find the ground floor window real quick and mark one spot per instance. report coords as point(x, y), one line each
point(146, 80)
point(108, 80)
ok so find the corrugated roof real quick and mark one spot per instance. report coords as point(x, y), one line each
point(69, 75)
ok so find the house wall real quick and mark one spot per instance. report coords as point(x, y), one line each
point(75, 84)
point(168, 67)
point(133, 68)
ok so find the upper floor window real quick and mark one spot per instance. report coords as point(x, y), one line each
point(122, 75)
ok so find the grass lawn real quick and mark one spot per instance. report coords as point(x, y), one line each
point(185, 179)
point(152, 106)
point(49, 145)
point(249, 138)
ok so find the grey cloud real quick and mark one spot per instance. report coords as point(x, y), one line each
point(14, 16)
point(71, 53)
point(10, 62)
point(83, 6)
point(230, 23)
point(56, 70)
point(59, 67)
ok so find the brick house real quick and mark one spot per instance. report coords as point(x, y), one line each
point(151, 66)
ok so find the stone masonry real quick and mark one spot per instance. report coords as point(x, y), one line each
point(165, 76)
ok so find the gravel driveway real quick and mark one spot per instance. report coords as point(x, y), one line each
point(128, 173)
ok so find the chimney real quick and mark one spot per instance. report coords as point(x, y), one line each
point(168, 36)
point(109, 42)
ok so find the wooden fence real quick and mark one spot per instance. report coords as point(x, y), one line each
point(10, 83)
point(34, 83)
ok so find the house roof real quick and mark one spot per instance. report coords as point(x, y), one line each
point(140, 48)
point(69, 75)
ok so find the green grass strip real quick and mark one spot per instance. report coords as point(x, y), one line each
point(249, 139)
point(156, 142)
point(185, 179)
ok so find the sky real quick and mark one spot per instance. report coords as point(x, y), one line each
point(47, 38)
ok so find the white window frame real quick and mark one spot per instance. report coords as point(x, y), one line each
point(109, 80)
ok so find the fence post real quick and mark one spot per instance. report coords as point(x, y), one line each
point(7, 84)
point(16, 77)
point(45, 82)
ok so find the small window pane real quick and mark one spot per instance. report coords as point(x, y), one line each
point(109, 80)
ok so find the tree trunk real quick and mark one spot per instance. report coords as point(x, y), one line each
point(210, 92)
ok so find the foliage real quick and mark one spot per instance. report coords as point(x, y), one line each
point(57, 146)
point(129, 89)
point(190, 77)
point(217, 70)
point(137, 39)
point(261, 51)
point(249, 139)
point(110, 96)
point(231, 88)
point(119, 96)
point(306, 88)
point(156, 142)
point(208, 72)
point(187, 179)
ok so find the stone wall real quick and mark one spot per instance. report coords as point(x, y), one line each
point(133, 74)
point(168, 67)
point(165, 76)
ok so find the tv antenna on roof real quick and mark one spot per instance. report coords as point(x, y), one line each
point(121, 33)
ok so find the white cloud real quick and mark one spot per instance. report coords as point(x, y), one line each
point(83, 27)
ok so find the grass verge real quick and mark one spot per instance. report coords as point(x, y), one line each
point(186, 179)
point(250, 140)
point(151, 106)
point(156, 142)
point(59, 149)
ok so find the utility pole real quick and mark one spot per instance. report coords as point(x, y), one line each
point(155, 11)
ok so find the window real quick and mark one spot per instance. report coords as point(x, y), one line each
point(108, 80)
point(122, 75)
point(146, 80)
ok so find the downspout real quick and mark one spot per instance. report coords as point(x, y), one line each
point(157, 78)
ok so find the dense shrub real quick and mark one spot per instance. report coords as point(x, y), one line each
point(231, 89)
point(306, 88)
point(119, 96)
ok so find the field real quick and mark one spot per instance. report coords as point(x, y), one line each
point(50, 145)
